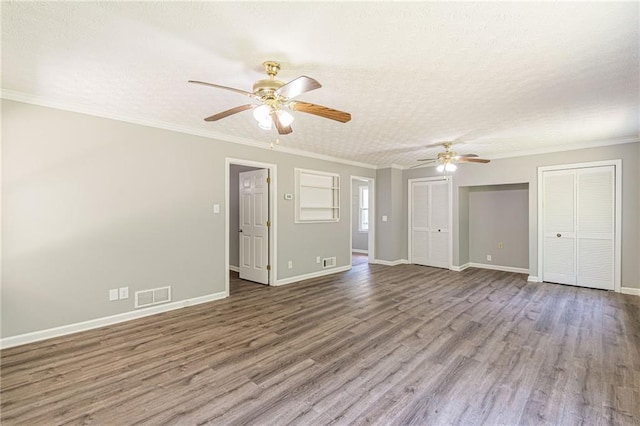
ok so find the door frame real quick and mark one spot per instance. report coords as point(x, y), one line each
point(371, 239)
point(273, 210)
point(617, 251)
point(449, 180)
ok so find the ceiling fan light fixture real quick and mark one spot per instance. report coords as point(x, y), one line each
point(262, 113)
point(450, 167)
point(440, 168)
point(285, 118)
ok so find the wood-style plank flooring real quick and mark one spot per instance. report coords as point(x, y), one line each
point(384, 345)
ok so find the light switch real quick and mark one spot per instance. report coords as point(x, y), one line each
point(216, 208)
point(384, 218)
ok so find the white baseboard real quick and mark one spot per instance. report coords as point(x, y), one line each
point(36, 336)
point(499, 268)
point(391, 262)
point(630, 290)
point(533, 279)
point(234, 268)
point(310, 275)
point(360, 251)
point(459, 268)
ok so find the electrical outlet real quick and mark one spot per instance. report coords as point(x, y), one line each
point(113, 294)
point(290, 264)
point(317, 259)
point(489, 257)
point(123, 292)
point(500, 245)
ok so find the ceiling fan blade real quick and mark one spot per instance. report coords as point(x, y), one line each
point(298, 86)
point(321, 111)
point(229, 112)
point(427, 159)
point(472, 160)
point(282, 130)
point(419, 165)
point(242, 92)
point(457, 157)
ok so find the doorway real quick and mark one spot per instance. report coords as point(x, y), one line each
point(362, 239)
point(250, 189)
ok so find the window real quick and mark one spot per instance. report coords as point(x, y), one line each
point(318, 196)
point(364, 209)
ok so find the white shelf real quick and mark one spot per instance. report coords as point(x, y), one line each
point(317, 197)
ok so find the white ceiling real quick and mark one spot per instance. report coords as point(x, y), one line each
point(504, 77)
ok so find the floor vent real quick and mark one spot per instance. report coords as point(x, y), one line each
point(154, 296)
point(329, 262)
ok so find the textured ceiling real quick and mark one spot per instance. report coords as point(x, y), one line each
point(504, 77)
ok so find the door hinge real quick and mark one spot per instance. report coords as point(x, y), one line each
point(268, 223)
point(268, 267)
point(268, 180)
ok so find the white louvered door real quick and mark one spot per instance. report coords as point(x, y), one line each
point(579, 226)
point(430, 218)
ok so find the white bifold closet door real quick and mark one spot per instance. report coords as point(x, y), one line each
point(579, 226)
point(430, 223)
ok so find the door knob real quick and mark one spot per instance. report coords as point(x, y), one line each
point(438, 230)
point(240, 230)
point(558, 235)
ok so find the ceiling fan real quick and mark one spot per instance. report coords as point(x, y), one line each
point(275, 97)
point(447, 159)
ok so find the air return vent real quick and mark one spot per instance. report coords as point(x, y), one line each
point(328, 262)
point(154, 296)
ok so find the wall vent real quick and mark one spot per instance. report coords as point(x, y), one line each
point(328, 262)
point(153, 296)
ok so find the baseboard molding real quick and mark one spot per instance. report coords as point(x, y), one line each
point(391, 262)
point(36, 336)
point(630, 290)
point(360, 251)
point(310, 275)
point(533, 279)
point(234, 268)
point(499, 268)
point(459, 268)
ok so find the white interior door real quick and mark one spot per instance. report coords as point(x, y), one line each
point(430, 218)
point(596, 227)
point(579, 226)
point(559, 226)
point(254, 229)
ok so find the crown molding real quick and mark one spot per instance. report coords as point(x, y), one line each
point(49, 103)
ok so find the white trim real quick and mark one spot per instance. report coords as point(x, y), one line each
point(234, 268)
point(391, 262)
point(41, 101)
point(36, 336)
point(447, 178)
point(371, 241)
point(310, 275)
point(533, 279)
point(359, 251)
point(630, 290)
point(273, 214)
point(459, 268)
point(499, 268)
point(618, 225)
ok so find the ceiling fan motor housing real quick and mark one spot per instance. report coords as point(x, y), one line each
point(266, 88)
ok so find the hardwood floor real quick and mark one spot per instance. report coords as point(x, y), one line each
point(382, 345)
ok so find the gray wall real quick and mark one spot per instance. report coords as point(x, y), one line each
point(391, 201)
point(463, 225)
point(90, 204)
point(498, 214)
point(524, 169)
point(359, 240)
point(234, 211)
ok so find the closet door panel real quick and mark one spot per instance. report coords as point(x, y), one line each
point(559, 227)
point(596, 227)
point(439, 224)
